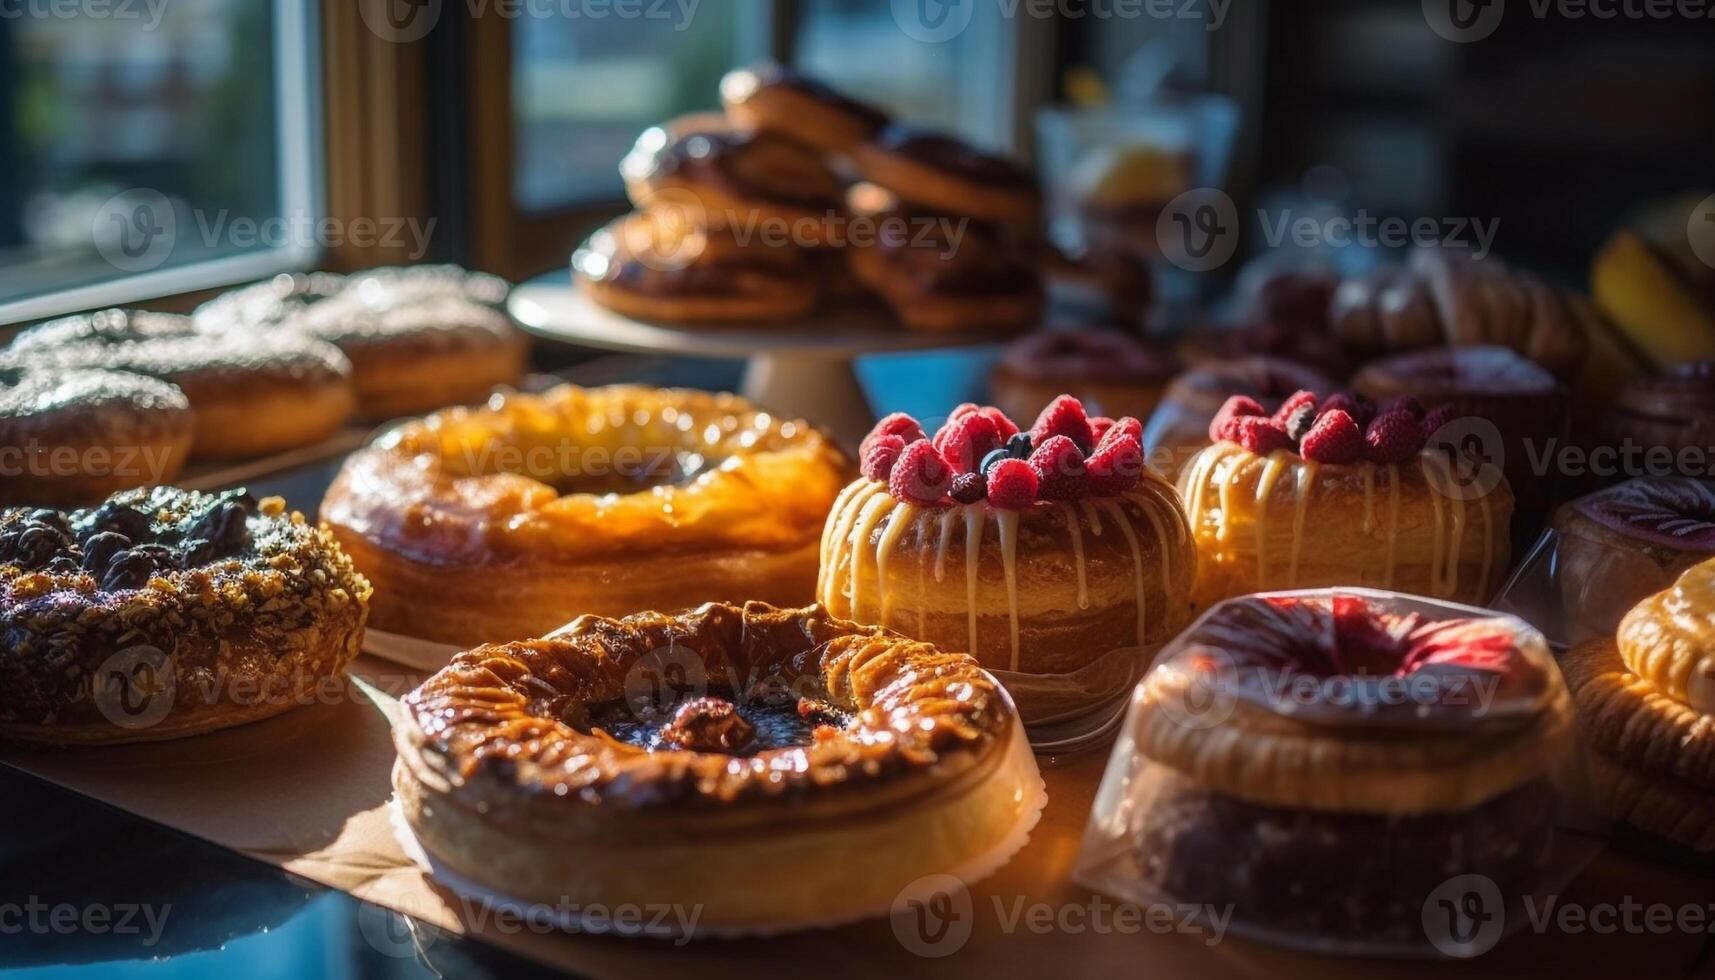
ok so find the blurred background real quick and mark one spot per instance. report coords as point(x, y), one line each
point(249, 122)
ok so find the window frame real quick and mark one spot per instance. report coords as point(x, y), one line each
point(300, 139)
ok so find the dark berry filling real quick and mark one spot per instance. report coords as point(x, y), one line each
point(121, 547)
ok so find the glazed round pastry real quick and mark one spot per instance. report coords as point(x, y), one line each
point(944, 175)
point(232, 609)
point(754, 181)
point(943, 274)
point(653, 267)
point(1487, 382)
point(418, 338)
point(1396, 516)
point(604, 500)
point(1666, 639)
point(771, 97)
point(1180, 425)
point(1089, 554)
point(1675, 410)
point(1111, 373)
point(76, 436)
point(846, 757)
point(252, 396)
point(1649, 759)
point(1621, 545)
point(1323, 763)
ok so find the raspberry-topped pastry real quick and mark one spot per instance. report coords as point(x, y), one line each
point(1323, 762)
point(1341, 491)
point(1035, 551)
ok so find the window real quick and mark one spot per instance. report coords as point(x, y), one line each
point(151, 149)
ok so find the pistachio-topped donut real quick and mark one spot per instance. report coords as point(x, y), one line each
point(252, 395)
point(70, 436)
point(605, 500)
point(164, 613)
point(572, 769)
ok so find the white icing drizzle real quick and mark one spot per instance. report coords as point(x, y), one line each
point(1075, 531)
point(1137, 565)
point(1306, 486)
point(1264, 487)
point(946, 539)
point(1007, 520)
point(1392, 523)
point(974, 519)
point(842, 540)
point(873, 509)
point(1438, 540)
point(902, 518)
point(1369, 498)
point(831, 532)
point(1160, 536)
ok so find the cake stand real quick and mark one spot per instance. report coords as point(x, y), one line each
point(800, 369)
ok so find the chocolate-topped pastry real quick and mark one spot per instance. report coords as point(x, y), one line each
point(1111, 373)
point(652, 266)
point(693, 756)
point(772, 97)
point(943, 174)
point(1180, 424)
point(252, 395)
point(418, 337)
point(72, 435)
point(1619, 545)
point(230, 608)
point(761, 182)
point(1675, 411)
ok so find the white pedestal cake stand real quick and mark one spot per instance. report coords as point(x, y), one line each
point(800, 369)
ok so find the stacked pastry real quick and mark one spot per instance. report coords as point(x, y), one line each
point(753, 215)
point(1646, 712)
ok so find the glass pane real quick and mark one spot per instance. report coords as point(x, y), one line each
point(931, 63)
point(584, 87)
point(135, 137)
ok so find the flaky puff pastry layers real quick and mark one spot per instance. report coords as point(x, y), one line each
point(1045, 590)
point(507, 778)
point(509, 520)
point(1646, 712)
point(1284, 522)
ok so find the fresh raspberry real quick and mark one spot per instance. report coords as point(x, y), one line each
point(1116, 467)
point(1404, 403)
point(1005, 426)
point(968, 488)
point(1064, 416)
point(883, 452)
point(965, 440)
point(1438, 419)
point(1394, 437)
point(1012, 485)
point(1259, 434)
point(1238, 406)
point(963, 409)
point(1099, 426)
point(1360, 409)
point(921, 476)
point(1333, 438)
point(898, 424)
point(1127, 426)
point(1060, 471)
point(1296, 414)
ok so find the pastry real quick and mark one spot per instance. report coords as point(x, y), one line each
point(1646, 712)
point(1179, 427)
point(939, 174)
point(1675, 411)
point(75, 436)
point(1621, 545)
point(654, 267)
point(771, 97)
point(1656, 291)
point(604, 500)
point(756, 182)
point(1110, 372)
point(1319, 494)
point(252, 395)
point(229, 610)
point(1445, 299)
point(1322, 765)
point(1486, 382)
point(1035, 552)
point(944, 274)
point(848, 758)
